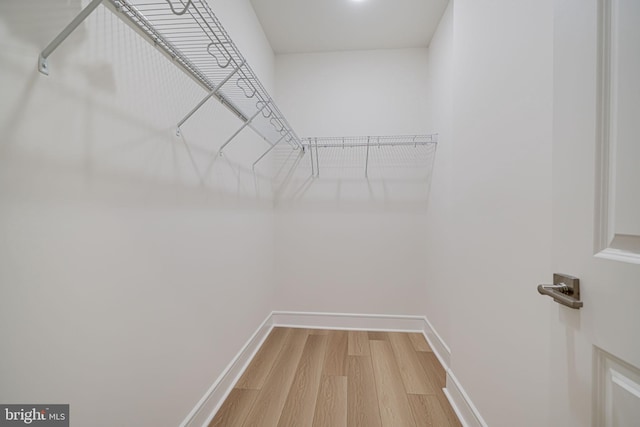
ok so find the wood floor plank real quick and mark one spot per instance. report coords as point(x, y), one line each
point(434, 370)
point(413, 375)
point(358, 343)
point(448, 410)
point(304, 377)
point(235, 409)
point(419, 342)
point(300, 405)
point(394, 405)
point(268, 406)
point(362, 399)
point(331, 407)
point(378, 336)
point(259, 368)
point(428, 412)
point(336, 358)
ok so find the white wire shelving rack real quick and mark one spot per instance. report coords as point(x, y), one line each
point(365, 143)
point(190, 34)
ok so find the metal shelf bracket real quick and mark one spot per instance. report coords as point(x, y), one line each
point(211, 94)
point(266, 152)
point(244, 125)
point(43, 63)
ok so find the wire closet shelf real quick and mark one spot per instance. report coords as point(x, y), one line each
point(189, 33)
point(313, 144)
point(193, 37)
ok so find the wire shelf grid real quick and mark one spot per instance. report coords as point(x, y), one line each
point(356, 152)
point(372, 141)
point(191, 34)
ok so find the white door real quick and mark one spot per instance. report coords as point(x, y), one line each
point(595, 351)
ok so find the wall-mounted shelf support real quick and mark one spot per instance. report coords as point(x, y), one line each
point(315, 166)
point(366, 165)
point(317, 158)
point(310, 149)
point(211, 94)
point(43, 64)
point(266, 152)
point(244, 125)
point(264, 138)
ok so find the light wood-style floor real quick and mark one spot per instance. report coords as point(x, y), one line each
point(320, 378)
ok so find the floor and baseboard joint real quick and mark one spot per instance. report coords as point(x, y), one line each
point(210, 403)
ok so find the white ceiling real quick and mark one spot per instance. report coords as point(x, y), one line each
point(298, 26)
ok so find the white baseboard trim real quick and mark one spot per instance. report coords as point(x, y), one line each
point(437, 344)
point(461, 403)
point(366, 322)
point(205, 410)
point(347, 321)
point(202, 414)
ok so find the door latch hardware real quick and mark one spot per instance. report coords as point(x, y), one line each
point(565, 290)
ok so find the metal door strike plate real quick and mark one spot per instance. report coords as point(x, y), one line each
point(565, 290)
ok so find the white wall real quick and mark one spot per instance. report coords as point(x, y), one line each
point(120, 259)
point(489, 228)
point(129, 277)
point(345, 243)
point(371, 92)
point(438, 297)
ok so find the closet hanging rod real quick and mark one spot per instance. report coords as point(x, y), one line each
point(190, 34)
